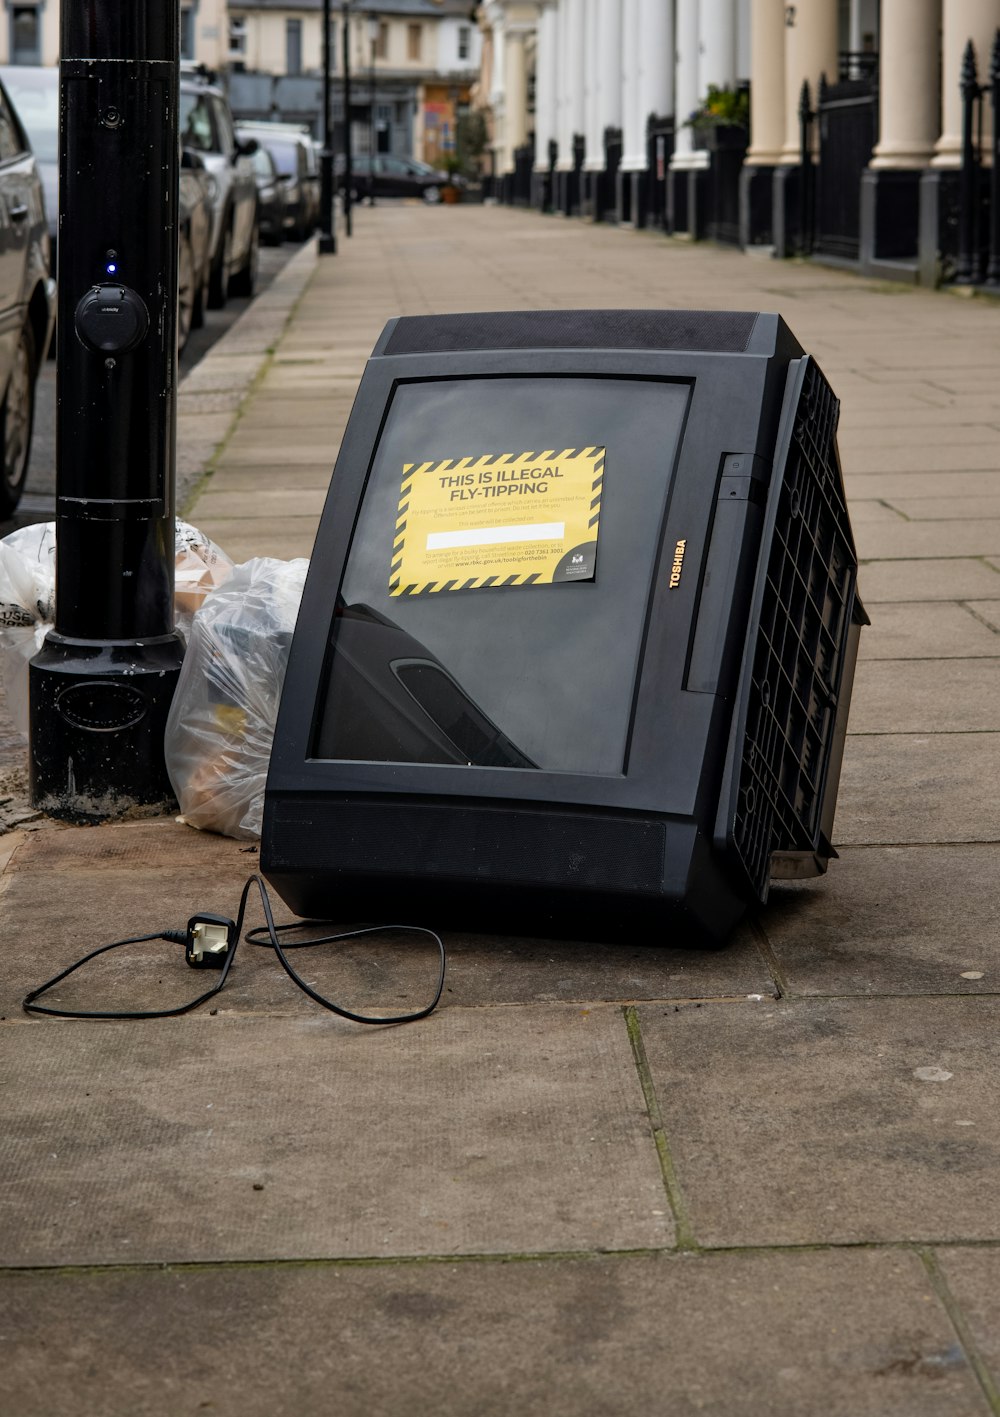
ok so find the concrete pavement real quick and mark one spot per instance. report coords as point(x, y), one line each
point(599, 1179)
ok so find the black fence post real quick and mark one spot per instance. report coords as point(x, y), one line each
point(806, 199)
point(967, 266)
point(101, 685)
point(993, 266)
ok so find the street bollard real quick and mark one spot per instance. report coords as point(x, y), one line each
point(102, 683)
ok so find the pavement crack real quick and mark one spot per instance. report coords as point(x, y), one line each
point(671, 1182)
point(962, 1328)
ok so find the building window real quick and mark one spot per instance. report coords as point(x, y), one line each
point(187, 32)
point(413, 39)
point(464, 41)
point(382, 41)
point(26, 35)
point(293, 46)
point(237, 37)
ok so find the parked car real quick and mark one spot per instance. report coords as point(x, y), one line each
point(297, 160)
point(397, 177)
point(206, 125)
point(34, 91)
point(270, 198)
point(27, 300)
point(194, 244)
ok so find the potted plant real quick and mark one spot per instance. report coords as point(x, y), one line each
point(452, 190)
point(722, 119)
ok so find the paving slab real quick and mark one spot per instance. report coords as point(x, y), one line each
point(919, 696)
point(948, 508)
point(854, 438)
point(812, 1121)
point(931, 630)
point(897, 486)
point(935, 578)
point(84, 887)
point(274, 503)
point(918, 456)
point(901, 788)
point(218, 1138)
point(904, 540)
point(848, 1334)
point(891, 920)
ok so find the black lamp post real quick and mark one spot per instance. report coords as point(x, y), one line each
point(327, 231)
point(102, 683)
point(373, 143)
point(348, 164)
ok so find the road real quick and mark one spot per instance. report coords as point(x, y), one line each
point(38, 502)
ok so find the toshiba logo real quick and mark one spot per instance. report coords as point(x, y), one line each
point(678, 565)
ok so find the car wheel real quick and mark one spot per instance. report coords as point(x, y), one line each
point(431, 194)
point(185, 290)
point(244, 282)
point(16, 418)
point(218, 281)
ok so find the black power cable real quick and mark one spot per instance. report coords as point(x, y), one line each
point(220, 955)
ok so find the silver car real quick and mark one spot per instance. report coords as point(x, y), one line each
point(27, 300)
point(206, 127)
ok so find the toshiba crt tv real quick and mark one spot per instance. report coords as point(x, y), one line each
point(577, 640)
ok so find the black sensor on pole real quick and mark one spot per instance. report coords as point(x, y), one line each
point(102, 683)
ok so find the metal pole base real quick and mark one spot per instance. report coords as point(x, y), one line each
point(98, 715)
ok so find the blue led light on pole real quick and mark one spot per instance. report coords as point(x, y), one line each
point(102, 683)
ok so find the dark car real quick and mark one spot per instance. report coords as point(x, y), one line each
point(27, 300)
point(397, 177)
point(34, 91)
point(206, 125)
point(296, 158)
point(270, 198)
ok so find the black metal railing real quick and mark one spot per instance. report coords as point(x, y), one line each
point(847, 114)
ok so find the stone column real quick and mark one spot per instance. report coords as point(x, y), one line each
point(633, 121)
point(516, 83)
point(716, 45)
point(656, 51)
point(685, 80)
point(810, 50)
point(767, 82)
point(962, 20)
point(546, 82)
point(908, 96)
point(593, 61)
point(571, 60)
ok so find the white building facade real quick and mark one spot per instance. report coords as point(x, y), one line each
point(611, 95)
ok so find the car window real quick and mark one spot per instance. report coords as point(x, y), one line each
point(394, 165)
point(10, 139)
point(35, 96)
point(263, 163)
point(197, 128)
point(285, 154)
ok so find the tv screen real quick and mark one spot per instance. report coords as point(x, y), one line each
point(490, 612)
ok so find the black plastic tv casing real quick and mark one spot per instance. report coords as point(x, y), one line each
point(543, 852)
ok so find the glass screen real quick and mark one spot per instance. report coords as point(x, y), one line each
point(516, 640)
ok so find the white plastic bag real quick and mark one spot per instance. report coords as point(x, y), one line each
point(221, 723)
point(28, 588)
point(27, 609)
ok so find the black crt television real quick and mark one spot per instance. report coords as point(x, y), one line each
point(577, 641)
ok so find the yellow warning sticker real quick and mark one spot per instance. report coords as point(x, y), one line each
point(499, 519)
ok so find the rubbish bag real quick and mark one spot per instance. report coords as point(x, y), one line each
point(28, 591)
point(27, 609)
point(221, 722)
